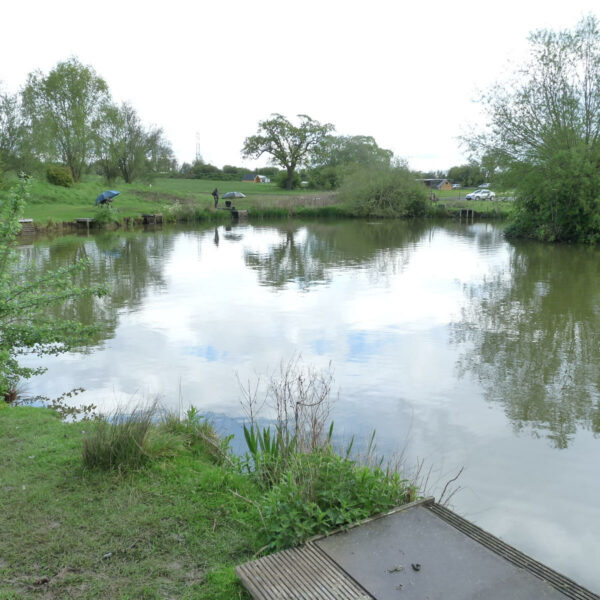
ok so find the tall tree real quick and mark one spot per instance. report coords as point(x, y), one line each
point(345, 150)
point(64, 109)
point(160, 157)
point(131, 145)
point(545, 135)
point(289, 145)
point(338, 156)
point(108, 138)
point(125, 147)
point(469, 175)
point(11, 128)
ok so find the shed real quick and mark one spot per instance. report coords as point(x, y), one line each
point(437, 184)
point(256, 178)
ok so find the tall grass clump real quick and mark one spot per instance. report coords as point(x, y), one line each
point(127, 441)
point(384, 192)
point(198, 435)
point(309, 488)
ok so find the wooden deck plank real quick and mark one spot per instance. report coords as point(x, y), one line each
point(299, 574)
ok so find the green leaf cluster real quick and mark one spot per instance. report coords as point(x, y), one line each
point(26, 327)
point(323, 491)
point(318, 491)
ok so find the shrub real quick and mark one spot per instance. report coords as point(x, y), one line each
point(281, 180)
point(384, 192)
point(59, 175)
point(104, 215)
point(322, 491)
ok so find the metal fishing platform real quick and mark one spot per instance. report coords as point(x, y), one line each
point(420, 551)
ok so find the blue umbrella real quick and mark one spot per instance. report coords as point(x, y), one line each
point(106, 196)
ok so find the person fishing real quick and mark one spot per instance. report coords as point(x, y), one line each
point(215, 195)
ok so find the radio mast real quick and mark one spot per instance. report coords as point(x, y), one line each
point(198, 153)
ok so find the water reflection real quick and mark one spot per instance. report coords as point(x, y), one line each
point(130, 263)
point(532, 329)
point(306, 255)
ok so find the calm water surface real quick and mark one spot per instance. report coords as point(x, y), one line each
point(458, 348)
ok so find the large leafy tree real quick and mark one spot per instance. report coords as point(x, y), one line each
point(290, 146)
point(26, 325)
point(123, 144)
point(11, 129)
point(126, 147)
point(160, 157)
point(339, 155)
point(469, 175)
point(344, 150)
point(544, 135)
point(64, 111)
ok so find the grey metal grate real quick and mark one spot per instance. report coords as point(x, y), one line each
point(514, 556)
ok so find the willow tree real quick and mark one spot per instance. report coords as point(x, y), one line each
point(289, 145)
point(544, 134)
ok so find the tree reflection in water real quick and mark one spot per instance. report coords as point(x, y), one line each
point(532, 332)
point(129, 263)
point(307, 254)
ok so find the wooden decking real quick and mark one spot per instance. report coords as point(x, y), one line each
point(299, 573)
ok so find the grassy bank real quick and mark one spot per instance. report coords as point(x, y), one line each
point(173, 529)
point(177, 199)
point(172, 526)
point(191, 200)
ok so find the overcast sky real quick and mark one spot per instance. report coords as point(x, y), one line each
point(407, 73)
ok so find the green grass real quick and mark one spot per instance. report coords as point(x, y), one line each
point(173, 529)
point(173, 525)
point(181, 197)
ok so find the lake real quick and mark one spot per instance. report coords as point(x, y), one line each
point(459, 348)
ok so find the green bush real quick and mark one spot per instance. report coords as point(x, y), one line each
point(104, 215)
point(281, 180)
point(325, 178)
point(323, 491)
point(384, 192)
point(59, 175)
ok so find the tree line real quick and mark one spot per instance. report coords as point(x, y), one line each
point(67, 117)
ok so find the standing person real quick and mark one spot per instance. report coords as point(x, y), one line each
point(215, 195)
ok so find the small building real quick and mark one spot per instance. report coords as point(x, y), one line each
point(256, 178)
point(437, 184)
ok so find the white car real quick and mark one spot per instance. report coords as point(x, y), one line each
point(481, 195)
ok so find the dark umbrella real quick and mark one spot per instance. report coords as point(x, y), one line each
point(106, 196)
point(233, 195)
